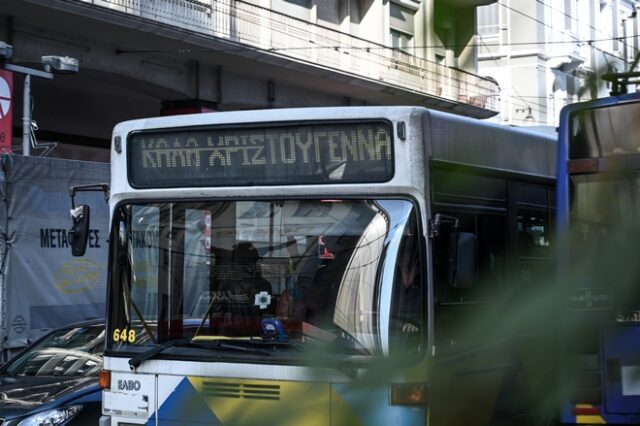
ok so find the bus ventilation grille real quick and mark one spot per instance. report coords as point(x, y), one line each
point(241, 390)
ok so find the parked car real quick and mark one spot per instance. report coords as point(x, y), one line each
point(54, 381)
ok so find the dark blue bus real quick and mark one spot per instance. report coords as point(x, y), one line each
point(598, 206)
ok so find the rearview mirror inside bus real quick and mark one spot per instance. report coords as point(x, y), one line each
point(79, 230)
point(465, 260)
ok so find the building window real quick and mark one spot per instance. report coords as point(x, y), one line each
point(583, 11)
point(401, 23)
point(570, 13)
point(574, 11)
point(606, 24)
point(488, 20)
point(402, 41)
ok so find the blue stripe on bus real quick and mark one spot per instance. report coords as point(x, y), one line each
point(184, 405)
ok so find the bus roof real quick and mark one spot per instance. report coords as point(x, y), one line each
point(446, 137)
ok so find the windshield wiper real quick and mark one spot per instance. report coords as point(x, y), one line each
point(135, 361)
point(138, 359)
point(224, 345)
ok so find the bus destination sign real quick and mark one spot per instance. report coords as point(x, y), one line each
point(354, 152)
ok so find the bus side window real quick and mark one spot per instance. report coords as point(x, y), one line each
point(533, 234)
point(487, 232)
point(535, 265)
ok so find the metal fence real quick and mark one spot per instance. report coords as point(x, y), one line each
point(254, 26)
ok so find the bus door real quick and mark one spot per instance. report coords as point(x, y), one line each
point(622, 368)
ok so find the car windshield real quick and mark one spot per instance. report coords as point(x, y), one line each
point(289, 270)
point(73, 352)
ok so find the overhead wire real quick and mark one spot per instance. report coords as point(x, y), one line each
point(527, 105)
point(577, 39)
point(372, 46)
point(578, 22)
point(380, 47)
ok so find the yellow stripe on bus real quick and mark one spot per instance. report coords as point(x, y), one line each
point(589, 419)
point(251, 402)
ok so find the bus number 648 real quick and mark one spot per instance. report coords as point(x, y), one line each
point(124, 335)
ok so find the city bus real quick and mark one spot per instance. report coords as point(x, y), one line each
point(598, 210)
point(322, 266)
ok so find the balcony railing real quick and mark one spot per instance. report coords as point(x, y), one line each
point(257, 27)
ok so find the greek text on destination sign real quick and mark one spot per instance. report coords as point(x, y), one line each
point(359, 152)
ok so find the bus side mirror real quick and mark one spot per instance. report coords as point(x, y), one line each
point(464, 260)
point(79, 230)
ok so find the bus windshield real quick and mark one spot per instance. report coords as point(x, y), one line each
point(605, 131)
point(604, 234)
point(602, 203)
point(344, 272)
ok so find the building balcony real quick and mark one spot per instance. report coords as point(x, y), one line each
point(273, 37)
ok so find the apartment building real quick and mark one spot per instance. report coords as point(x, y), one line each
point(545, 54)
point(149, 57)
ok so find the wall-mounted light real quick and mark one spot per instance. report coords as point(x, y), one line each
point(528, 110)
point(60, 64)
point(6, 50)
point(529, 116)
point(52, 65)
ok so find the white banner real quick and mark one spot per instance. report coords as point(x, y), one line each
point(43, 285)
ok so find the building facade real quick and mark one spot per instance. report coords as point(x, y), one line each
point(546, 54)
point(150, 57)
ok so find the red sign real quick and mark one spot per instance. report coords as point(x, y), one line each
point(6, 107)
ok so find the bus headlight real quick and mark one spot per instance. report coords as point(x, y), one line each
point(51, 417)
point(408, 394)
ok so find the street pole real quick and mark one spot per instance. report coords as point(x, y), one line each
point(26, 116)
point(26, 101)
point(52, 64)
